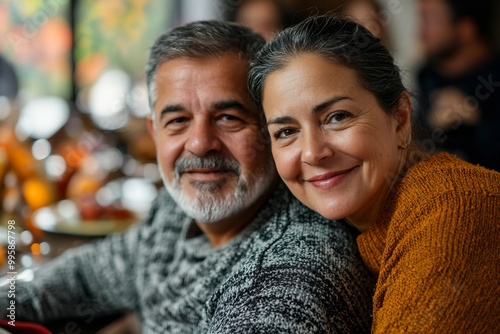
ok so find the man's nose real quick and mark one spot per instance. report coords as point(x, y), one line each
point(315, 146)
point(203, 138)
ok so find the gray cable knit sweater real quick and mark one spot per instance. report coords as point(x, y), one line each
point(289, 271)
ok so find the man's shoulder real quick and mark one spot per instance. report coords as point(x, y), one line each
point(295, 234)
point(311, 237)
point(294, 257)
point(299, 219)
point(164, 212)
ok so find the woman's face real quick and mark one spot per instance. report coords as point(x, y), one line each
point(334, 146)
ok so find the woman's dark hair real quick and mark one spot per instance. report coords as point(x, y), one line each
point(341, 40)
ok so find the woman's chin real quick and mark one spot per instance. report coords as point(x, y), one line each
point(331, 214)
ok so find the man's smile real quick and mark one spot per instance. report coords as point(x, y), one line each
point(206, 174)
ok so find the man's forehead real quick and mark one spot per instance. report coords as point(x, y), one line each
point(228, 72)
point(217, 65)
point(208, 81)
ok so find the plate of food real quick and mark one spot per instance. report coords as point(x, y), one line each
point(84, 219)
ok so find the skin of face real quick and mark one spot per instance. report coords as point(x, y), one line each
point(333, 145)
point(204, 109)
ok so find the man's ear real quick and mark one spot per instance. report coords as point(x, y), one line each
point(402, 114)
point(151, 128)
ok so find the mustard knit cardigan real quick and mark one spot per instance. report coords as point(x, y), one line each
point(436, 251)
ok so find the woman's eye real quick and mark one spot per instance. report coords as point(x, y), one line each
point(284, 133)
point(338, 116)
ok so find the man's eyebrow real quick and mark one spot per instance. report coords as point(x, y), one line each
point(318, 108)
point(228, 104)
point(322, 106)
point(170, 108)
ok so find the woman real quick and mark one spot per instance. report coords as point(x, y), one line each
point(339, 120)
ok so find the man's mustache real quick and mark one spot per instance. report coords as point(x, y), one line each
point(210, 162)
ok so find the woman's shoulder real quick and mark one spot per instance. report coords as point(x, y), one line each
point(440, 197)
point(444, 204)
point(444, 188)
point(445, 173)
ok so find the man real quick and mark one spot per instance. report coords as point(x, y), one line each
point(266, 17)
point(460, 84)
point(226, 249)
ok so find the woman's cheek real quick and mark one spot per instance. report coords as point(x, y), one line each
point(287, 162)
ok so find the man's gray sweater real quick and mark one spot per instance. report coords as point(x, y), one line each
point(289, 271)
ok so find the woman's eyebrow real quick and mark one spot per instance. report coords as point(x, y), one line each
point(322, 106)
point(280, 120)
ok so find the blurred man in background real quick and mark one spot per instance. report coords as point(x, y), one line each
point(226, 248)
point(368, 14)
point(265, 17)
point(460, 84)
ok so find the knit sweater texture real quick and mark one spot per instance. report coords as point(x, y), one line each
point(436, 251)
point(289, 271)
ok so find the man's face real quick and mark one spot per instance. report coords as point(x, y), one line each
point(214, 160)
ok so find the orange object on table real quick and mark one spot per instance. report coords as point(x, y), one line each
point(38, 193)
point(18, 154)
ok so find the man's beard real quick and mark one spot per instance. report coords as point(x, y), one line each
point(208, 205)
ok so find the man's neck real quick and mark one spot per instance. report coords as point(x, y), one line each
point(467, 58)
point(227, 229)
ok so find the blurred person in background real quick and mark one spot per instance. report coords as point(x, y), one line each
point(368, 14)
point(226, 248)
point(8, 79)
point(266, 17)
point(460, 83)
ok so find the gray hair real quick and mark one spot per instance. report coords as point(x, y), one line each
point(202, 39)
point(340, 40)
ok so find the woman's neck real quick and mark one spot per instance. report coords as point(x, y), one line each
point(363, 220)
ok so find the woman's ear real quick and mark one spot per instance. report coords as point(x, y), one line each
point(403, 118)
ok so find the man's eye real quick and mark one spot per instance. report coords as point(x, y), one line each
point(226, 117)
point(177, 120)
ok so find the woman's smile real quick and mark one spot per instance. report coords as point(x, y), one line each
point(329, 180)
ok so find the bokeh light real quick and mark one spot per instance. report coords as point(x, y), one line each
point(55, 166)
point(41, 149)
point(42, 117)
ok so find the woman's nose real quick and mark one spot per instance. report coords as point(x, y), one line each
point(315, 147)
